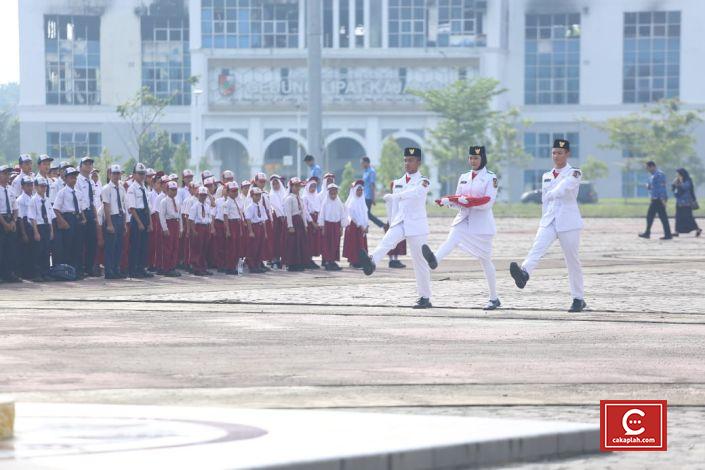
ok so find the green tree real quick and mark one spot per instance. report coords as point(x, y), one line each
point(662, 132)
point(347, 180)
point(9, 137)
point(391, 165)
point(467, 118)
point(594, 169)
point(181, 158)
point(157, 151)
point(142, 113)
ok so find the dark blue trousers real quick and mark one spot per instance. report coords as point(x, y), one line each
point(139, 242)
point(8, 252)
point(113, 245)
point(40, 250)
point(71, 248)
point(90, 241)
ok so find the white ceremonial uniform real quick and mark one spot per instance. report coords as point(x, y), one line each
point(473, 229)
point(411, 223)
point(560, 220)
point(134, 198)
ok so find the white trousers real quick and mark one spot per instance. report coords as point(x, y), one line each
point(479, 246)
point(423, 273)
point(570, 243)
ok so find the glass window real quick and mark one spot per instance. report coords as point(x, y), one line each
point(651, 59)
point(539, 144)
point(67, 145)
point(72, 58)
point(252, 24)
point(166, 66)
point(460, 23)
point(552, 54)
point(634, 183)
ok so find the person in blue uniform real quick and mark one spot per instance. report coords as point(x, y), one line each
point(137, 204)
point(659, 197)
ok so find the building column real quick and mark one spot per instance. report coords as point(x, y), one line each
point(336, 23)
point(302, 24)
point(366, 20)
point(255, 152)
point(385, 23)
point(373, 136)
point(351, 24)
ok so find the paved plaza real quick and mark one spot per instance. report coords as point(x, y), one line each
point(345, 341)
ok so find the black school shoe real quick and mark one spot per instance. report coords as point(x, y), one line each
point(423, 302)
point(368, 266)
point(578, 305)
point(429, 256)
point(396, 264)
point(492, 305)
point(520, 276)
point(333, 266)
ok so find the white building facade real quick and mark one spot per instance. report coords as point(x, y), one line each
point(563, 62)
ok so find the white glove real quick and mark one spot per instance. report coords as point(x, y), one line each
point(388, 197)
point(445, 202)
point(462, 200)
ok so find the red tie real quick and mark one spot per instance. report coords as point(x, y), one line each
point(408, 178)
point(474, 175)
point(555, 174)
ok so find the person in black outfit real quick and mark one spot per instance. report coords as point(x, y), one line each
point(684, 190)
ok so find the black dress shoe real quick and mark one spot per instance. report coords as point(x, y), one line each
point(312, 265)
point(11, 279)
point(669, 237)
point(578, 305)
point(147, 274)
point(492, 305)
point(423, 302)
point(429, 256)
point(333, 266)
point(520, 276)
point(368, 266)
point(171, 273)
point(645, 235)
point(396, 264)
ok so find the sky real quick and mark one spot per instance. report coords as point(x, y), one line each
point(9, 42)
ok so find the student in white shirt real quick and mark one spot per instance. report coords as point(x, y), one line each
point(114, 222)
point(234, 229)
point(256, 218)
point(41, 217)
point(201, 227)
point(8, 227)
point(171, 229)
point(295, 256)
point(24, 204)
point(69, 208)
point(333, 218)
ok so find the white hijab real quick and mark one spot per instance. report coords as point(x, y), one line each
point(357, 209)
point(277, 196)
point(311, 199)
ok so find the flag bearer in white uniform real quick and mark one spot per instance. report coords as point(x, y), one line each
point(410, 222)
point(473, 229)
point(560, 220)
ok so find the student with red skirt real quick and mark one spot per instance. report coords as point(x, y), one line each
point(312, 206)
point(171, 228)
point(256, 219)
point(234, 228)
point(200, 226)
point(356, 231)
point(295, 256)
point(277, 194)
point(334, 217)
